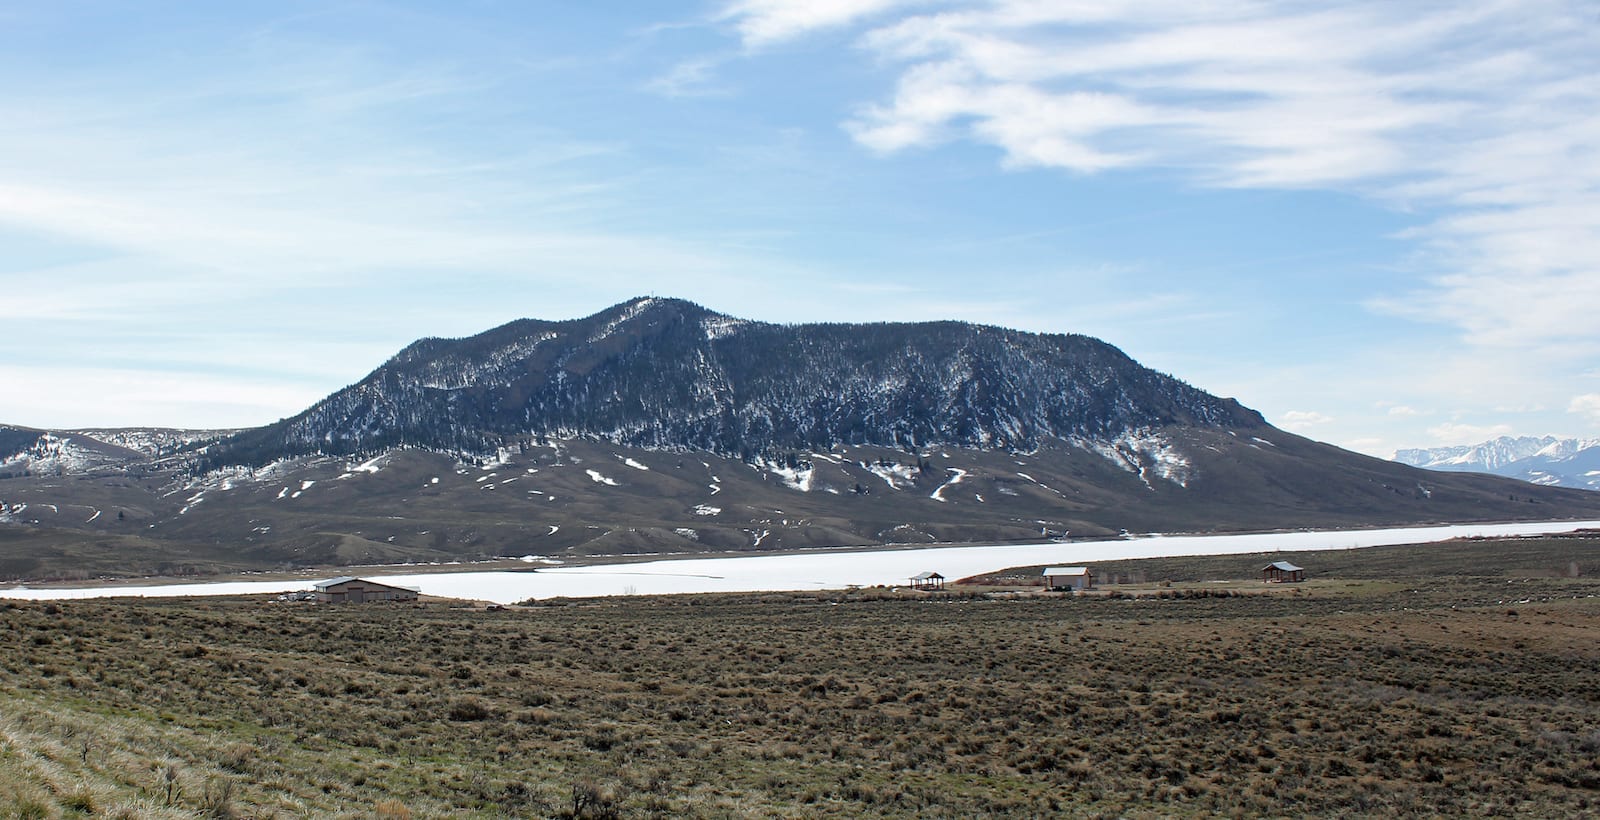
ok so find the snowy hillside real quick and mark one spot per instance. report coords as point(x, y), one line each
point(153, 441)
point(38, 452)
point(1544, 460)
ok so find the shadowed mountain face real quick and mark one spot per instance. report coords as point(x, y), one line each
point(657, 426)
point(663, 373)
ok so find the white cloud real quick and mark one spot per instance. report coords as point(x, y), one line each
point(1586, 405)
point(1408, 412)
point(1479, 115)
point(1452, 433)
point(690, 78)
point(762, 22)
point(1298, 420)
point(300, 179)
point(1253, 94)
point(66, 398)
point(1375, 447)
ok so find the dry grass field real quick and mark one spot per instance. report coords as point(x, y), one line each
point(1470, 691)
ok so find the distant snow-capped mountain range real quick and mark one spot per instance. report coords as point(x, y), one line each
point(1545, 460)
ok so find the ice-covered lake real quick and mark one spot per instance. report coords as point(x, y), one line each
point(827, 570)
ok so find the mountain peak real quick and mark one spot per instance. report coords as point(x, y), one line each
point(668, 373)
point(1546, 460)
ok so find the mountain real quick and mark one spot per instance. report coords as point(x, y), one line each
point(668, 374)
point(658, 426)
point(1487, 457)
point(1544, 460)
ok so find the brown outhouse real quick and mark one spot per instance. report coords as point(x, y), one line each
point(1073, 578)
point(1282, 572)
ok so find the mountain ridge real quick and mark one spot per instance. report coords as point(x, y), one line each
point(665, 373)
point(1545, 460)
point(657, 426)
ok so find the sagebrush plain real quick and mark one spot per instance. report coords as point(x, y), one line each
point(1452, 679)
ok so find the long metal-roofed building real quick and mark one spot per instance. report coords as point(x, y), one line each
point(350, 590)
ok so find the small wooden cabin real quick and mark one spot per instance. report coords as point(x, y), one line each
point(348, 590)
point(927, 580)
point(1282, 572)
point(1076, 579)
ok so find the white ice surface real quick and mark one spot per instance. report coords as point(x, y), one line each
point(828, 570)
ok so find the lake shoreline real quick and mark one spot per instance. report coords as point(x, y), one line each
point(537, 562)
point(515, 580)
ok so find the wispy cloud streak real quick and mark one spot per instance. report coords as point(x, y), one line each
point(1482, 117)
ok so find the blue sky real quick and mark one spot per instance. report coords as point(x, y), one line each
point(1377, 223)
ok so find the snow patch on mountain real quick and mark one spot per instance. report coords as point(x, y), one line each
point(451, 373)
point(628, 314)
point(372, 465)
point(51, 454)
point(938, 495)
point(1144, 453)
point(1566, 448)
point(1036, 482)
point(798, 477)
point(1486, 457)
point(895, 474)
point(154, 441)
point(1545, 460)
point(717, 327)
point(228, 478)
